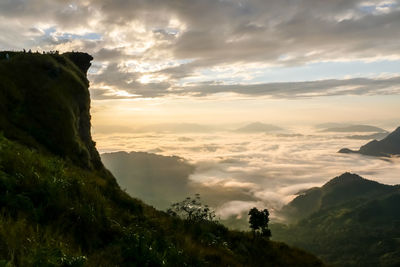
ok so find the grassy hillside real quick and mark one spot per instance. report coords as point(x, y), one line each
point(60, 206)
point(339, 190)
point(356, 222)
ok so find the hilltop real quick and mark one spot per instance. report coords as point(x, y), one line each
point(389, 146)
point(349, 221)
point(61, 207)
point(338, 190)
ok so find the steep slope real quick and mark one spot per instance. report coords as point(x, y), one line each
point(352, 222)
point(387, 147)
point(44, 101)
point(61, 207)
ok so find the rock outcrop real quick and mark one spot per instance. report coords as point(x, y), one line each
point(45, 102)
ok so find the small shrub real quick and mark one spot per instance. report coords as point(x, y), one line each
point(191, 209)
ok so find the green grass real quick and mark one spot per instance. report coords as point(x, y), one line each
point(354, 222)
point(54, 213)
point(362, 232)
point(60, 207)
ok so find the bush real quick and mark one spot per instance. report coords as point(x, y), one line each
point(191, 209)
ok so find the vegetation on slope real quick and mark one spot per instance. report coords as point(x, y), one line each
point(339, 190)
point(54, 213)
point(355, 222)
point(60, 207)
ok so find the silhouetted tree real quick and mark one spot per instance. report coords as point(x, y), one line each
point(259, 222)
point(191, 209)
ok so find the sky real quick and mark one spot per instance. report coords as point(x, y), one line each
point(223, 61)
point(177, 77)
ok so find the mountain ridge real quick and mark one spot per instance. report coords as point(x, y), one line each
point(355, 128)
point(338, 190)
point(349, 221)
point(387, 147)
point(257, 127)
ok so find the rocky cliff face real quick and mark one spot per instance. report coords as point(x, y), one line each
point(45, 103)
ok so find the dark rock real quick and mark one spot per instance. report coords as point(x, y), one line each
point(45, 103)
point(346, 151)
point(387, 147)
point(81, 60)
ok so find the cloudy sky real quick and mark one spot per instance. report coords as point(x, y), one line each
point(196, 65)
point(223, 60)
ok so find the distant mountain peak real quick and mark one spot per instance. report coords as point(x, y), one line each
point(355, 128)
point(389, 146)
point(348, 176)
point(344, 178)
point(341, 189)
point(259, 127)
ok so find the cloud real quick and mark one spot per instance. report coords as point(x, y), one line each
point(188, 42)
point(161, 180)
point(229, 177)
point(117, 78)
point(235, 208)
point(156, 179)
point(357, 86)
point(177, 128)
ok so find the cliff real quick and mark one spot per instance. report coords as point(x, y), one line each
point(44, 101)
point(61, 207)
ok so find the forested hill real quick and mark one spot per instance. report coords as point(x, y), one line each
point(61, 207)
point(339, 190)
point(349, 221)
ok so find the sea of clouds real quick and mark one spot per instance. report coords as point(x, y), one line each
point(234, 172)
